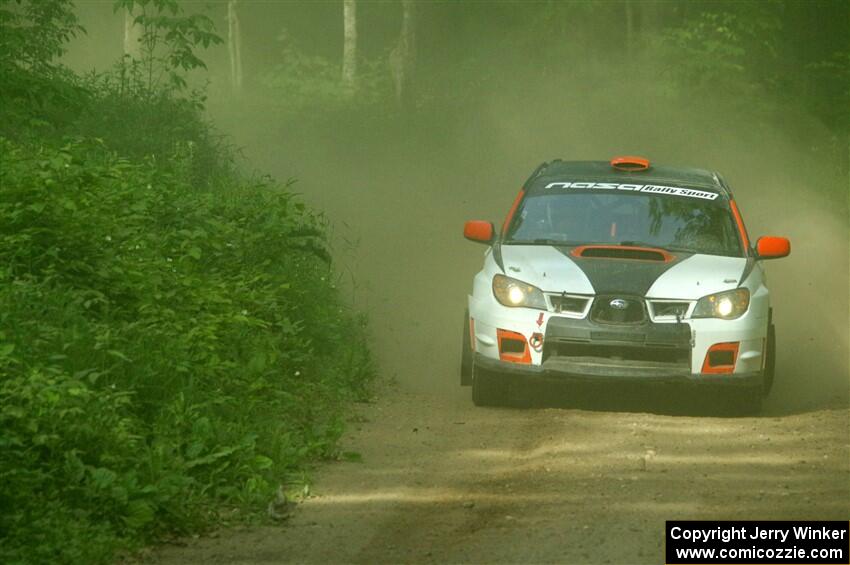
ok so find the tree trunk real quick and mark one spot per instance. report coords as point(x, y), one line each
point(650, 18)
point(132, 35)
point(630, 31)
point(349, 49)
point(403, 56)
point(234, 46)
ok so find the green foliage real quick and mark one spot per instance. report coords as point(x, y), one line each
point(33, 88)
point(162, 350)
point(171, 339)
point(137, 123)
point(302, 83)
point(143, 107)
point(833, 76)
point(42, 101)
point(748, 51)
point(731, 46)
point(140, 108)
point(167, 42)
point(35, 32)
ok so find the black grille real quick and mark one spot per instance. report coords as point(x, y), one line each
point(618, 336)
point(618, 310)
point(669, 355)
point(563, 303)
point(676, 309)
point(617, 348)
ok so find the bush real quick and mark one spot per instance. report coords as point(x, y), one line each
point(35, 91)
point(301, 84)
point(171, 338)
point(137, 122)
point(163, 349)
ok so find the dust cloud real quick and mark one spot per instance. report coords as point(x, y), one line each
point(397, 198)
point(397, 190)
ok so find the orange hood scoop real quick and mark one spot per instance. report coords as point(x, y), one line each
point(626, 252)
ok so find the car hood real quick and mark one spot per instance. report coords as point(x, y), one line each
point(686, 277)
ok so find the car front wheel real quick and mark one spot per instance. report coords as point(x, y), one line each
point(466, 353)
point(770, 359)
point(487, 387)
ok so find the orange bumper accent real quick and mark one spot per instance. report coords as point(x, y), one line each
point(511, 356)
point(719, 368)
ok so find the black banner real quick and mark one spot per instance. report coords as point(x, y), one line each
point(691, 542)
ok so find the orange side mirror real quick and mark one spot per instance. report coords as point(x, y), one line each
point(772, 247)
point(478, 230)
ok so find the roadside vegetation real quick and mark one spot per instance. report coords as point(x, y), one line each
point(787, 54)
point(173, 346)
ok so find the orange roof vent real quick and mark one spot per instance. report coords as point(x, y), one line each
point(630, 163)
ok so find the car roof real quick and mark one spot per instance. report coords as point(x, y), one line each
point(602, 171)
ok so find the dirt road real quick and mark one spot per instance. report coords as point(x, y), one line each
point(586, 481)
point(582, 482)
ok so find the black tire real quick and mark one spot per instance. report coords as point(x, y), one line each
point(770, 360)
point(487, 387)
point(465, 353)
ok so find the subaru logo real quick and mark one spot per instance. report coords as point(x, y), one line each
point(618, 304)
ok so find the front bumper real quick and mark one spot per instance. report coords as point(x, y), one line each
point(551, 335)
point(587, 372)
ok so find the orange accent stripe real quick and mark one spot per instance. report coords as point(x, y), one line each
point(524, 357)
point(511, 212)
point(720, 369)
point(740, 221)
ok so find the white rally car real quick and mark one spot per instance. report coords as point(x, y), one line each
point(621, 270)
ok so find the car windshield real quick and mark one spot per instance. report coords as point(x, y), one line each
point(664, 221)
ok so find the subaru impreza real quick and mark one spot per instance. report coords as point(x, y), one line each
point(626, 271)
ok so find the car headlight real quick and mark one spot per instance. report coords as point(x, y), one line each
point(727, 305)
point(514, 293)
